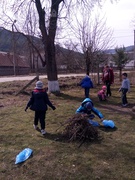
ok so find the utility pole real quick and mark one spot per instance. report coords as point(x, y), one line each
point(134, 49)
point(134, 44)
point(14, 63)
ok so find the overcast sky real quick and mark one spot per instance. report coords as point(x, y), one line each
point(119, 17)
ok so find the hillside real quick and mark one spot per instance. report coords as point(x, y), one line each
point(7, 38)
point(128, 49)
point(21, 43)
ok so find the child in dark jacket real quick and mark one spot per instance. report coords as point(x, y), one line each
point(86, 83)
point(38, 103)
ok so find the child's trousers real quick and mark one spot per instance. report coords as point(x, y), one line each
point(40, 115)
point(108, 85)
point(124, 97)
point(87, 90)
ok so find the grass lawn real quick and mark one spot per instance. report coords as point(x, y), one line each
point(111, 158)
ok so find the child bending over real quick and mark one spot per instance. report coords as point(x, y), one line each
point(102, 94)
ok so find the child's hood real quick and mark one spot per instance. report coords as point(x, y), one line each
point(86, 100)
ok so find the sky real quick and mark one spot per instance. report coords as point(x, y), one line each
point(120, 18)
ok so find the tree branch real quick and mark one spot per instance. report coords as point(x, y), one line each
point(36, 49)
point(42, 26)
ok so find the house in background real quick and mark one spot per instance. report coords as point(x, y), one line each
point(68, 61)
point(27, 59)
point(13, 65)
point(129, 65)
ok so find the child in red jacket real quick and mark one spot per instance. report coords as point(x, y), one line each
point(108, 79)
point(102, 94)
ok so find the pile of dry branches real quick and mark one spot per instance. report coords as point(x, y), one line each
point(78, 128)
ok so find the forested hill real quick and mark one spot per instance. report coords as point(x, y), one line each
point(7, 38)
point(128, 49)
point(21, 44)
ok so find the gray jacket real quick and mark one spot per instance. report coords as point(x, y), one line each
point(125, 84)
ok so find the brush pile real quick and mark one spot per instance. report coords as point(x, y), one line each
point(78, 128)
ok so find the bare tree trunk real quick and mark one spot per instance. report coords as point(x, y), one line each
point(87, 67)
point(98, 74)
point(48, 41)
point(53, 84)
point(87, 63)
point(120, 74)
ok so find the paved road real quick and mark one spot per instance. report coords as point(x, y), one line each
point(22, 78)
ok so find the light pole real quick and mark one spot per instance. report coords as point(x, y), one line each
point(14, 63)
point(134, 45)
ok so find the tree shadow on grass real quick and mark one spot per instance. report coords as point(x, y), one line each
point(69, 97)
point(55, 137)
point(59, 137)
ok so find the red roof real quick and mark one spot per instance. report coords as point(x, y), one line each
point(6, 59)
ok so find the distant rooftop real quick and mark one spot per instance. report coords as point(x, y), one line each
point(6, 60)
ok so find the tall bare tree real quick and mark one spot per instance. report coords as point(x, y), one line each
point(49, 12)
point(94, 38)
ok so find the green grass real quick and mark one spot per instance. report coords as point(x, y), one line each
point(111, 158)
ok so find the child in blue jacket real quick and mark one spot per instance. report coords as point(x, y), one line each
point(38, 103)
point(87, 107)
point(86, 83)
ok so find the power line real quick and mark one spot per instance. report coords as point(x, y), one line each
point(122, 36)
